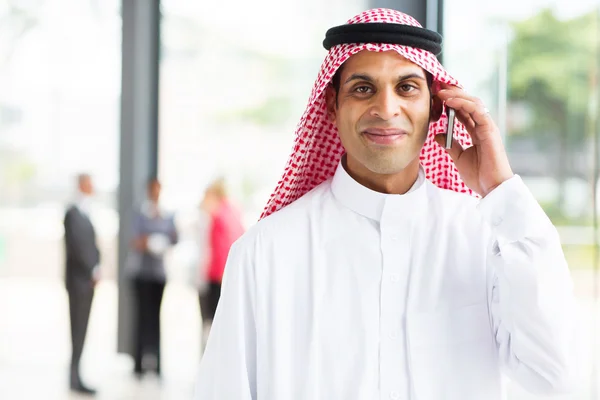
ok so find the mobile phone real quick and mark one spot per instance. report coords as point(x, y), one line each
point(450, 128)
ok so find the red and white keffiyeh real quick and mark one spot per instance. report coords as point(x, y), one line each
point(317, 148)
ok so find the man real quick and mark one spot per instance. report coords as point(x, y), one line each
point(154, 233)
point(366, 278)
point(82, 273)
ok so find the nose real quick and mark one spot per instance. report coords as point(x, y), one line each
point(387, 105)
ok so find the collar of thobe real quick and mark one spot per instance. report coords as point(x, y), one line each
point(372, 204)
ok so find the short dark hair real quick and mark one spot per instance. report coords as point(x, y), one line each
point(336, 81)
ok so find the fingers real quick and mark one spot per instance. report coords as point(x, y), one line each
point(473, 109)
point(455, 151)
point(455, 92)
point(465, 119)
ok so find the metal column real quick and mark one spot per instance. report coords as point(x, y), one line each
point(139, 133)
point(428, 12)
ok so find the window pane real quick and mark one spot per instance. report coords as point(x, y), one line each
point(59, 116)
point(60, 80)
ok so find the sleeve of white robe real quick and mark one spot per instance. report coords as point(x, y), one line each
point(228, 366)
point(530, 290)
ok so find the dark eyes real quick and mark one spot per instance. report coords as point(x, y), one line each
point(406, 88)
point(363, 89)
point(403, 88)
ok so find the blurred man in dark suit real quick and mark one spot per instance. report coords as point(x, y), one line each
point(82, 272)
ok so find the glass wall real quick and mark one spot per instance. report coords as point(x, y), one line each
point(60, 75)
point(535, 64)
point(60, 80)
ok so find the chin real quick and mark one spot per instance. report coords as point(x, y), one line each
point(385, 167)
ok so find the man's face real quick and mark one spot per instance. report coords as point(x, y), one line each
point(154, 191)
point(382, 111)
point(86, 186)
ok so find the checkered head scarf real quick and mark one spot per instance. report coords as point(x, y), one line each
point(317, 148)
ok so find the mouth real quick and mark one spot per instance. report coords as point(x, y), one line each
point(384, 137)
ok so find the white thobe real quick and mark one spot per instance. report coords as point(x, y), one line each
point(349, 293)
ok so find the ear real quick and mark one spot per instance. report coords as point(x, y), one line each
point(330, 98)
point(436, 108)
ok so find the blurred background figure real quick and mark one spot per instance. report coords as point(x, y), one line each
point(154, 233)
point(81, 272)
point(223, 227)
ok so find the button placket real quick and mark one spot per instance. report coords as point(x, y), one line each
point(395, 226)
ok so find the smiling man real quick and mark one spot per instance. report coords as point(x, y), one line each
point(382, 142)
point(384, 266)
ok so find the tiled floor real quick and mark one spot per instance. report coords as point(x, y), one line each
point(35, 345)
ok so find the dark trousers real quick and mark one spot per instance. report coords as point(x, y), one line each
point(80, 304)
point(209, 301)
point(148, 296)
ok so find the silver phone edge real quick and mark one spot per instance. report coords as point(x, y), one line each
point(450, 130)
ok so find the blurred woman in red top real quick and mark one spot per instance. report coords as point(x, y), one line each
point(224, 227)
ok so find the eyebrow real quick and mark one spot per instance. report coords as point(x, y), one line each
point(367, 78)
